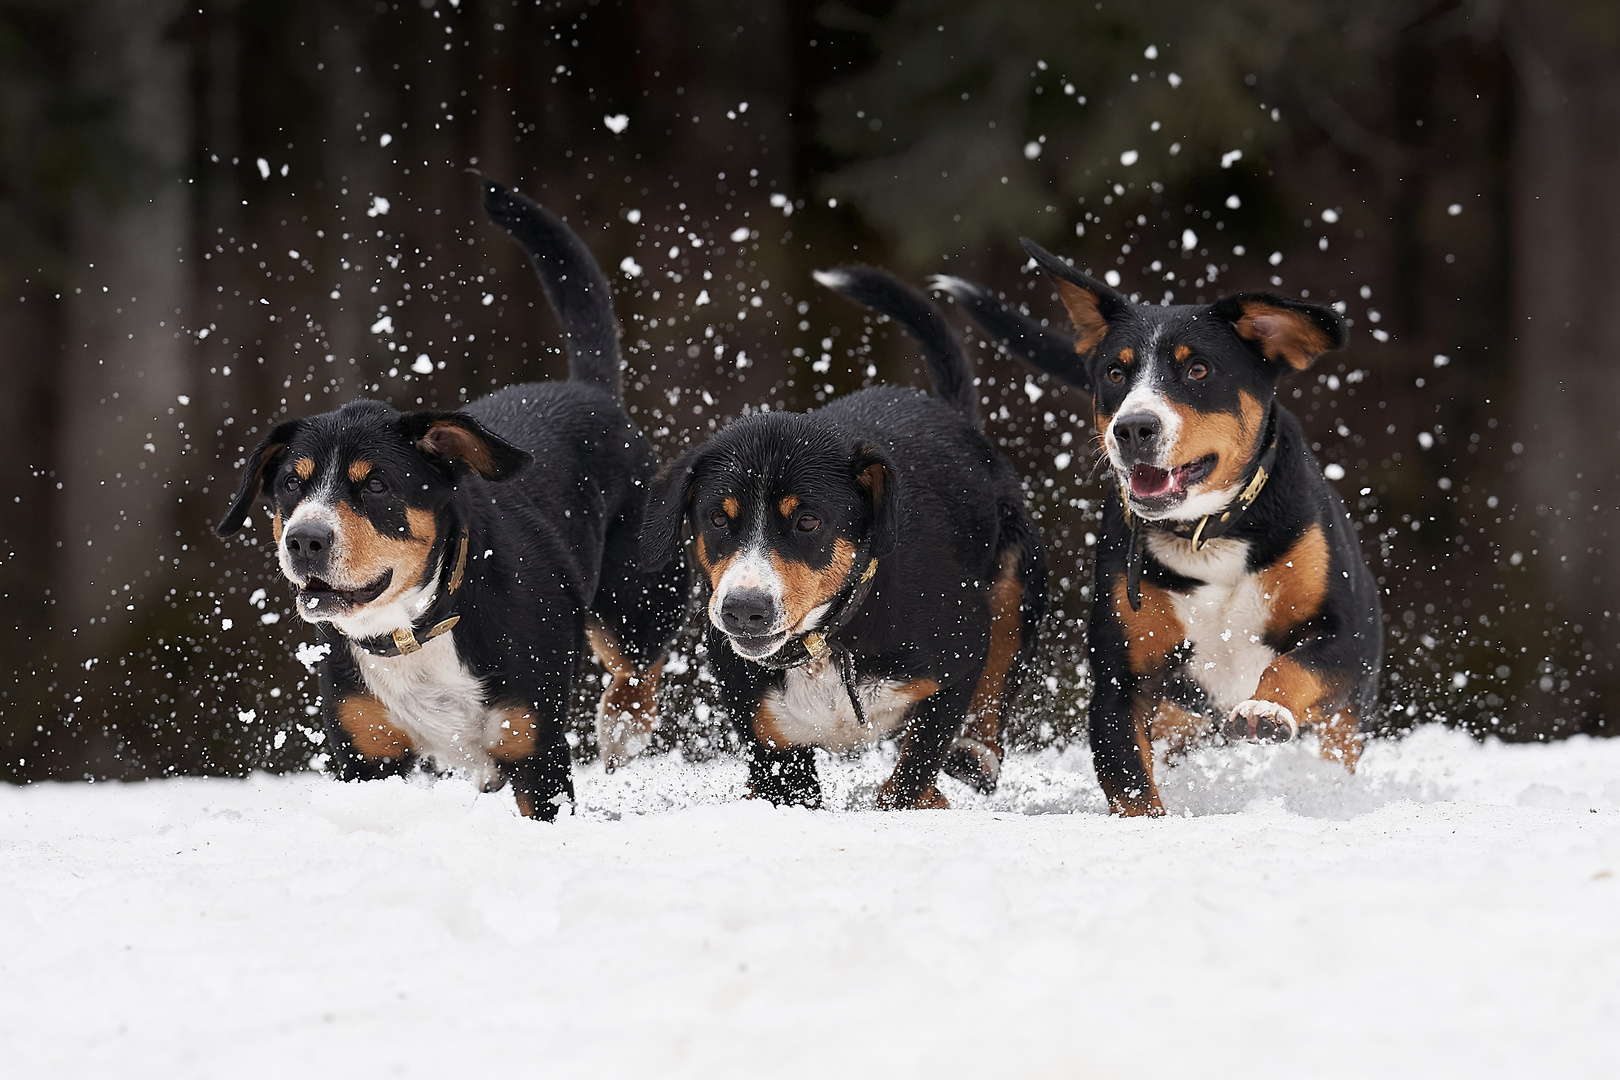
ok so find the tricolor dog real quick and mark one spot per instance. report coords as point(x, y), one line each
point(455, 562)
point(1231, 594)
point(870, 571)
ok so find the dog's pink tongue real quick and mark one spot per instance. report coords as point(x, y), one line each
point(1147, 481)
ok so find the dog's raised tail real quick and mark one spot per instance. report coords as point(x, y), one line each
point(1050, 350)
point(574, 284)
point(886, 294)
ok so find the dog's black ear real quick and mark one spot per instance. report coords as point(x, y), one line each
point(663, 519)
point(257, 476)
point(1284, 331)
point(1091, 304)
point(879, 482)
point(458, 438)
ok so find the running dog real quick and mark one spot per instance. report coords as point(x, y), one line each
point(871, 572)
point(1231, 594)
point(455, 562)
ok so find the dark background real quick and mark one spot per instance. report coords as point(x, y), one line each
point(192, 247)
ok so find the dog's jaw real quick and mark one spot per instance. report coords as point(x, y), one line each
point(383, 617)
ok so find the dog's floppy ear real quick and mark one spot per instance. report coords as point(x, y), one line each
point(879, 482)
point(457, 438)
point(1091, 304)
point(257, 476)
point(669, 497)
point(1285, 331)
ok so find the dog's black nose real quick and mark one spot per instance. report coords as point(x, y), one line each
point(309, 545)
point(750, 612)
point(1137, 435)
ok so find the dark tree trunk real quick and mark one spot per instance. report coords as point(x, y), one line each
point(1566, 338)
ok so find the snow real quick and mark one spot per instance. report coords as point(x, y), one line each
point(1448, 911)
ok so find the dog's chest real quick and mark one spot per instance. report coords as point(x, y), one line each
point(812, 708)
point(432, 697)
point(1224, 618)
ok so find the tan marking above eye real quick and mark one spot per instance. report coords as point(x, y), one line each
point(788, 504)
point(304, 467)
point(1127, 356)
point(731, 506)
point(1182, 352)
point(359, 470)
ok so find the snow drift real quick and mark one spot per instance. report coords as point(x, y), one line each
point(1447, 911)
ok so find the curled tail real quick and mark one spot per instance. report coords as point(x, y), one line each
point(574, 284)
point(885, 294)
point(1052, 351)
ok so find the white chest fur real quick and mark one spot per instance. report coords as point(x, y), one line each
point(432, 697)
point(813, 708)
point(1224, 619)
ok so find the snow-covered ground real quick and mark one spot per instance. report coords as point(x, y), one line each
point(1453, 910)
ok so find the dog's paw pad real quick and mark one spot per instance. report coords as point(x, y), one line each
point(974, 763)
point(1260, 721)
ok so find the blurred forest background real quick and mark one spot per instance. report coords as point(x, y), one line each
point(218, 213)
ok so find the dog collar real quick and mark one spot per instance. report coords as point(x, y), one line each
point(819, 644)
point(1207, 528)
point(410, 639)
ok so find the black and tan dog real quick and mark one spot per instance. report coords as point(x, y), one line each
point(1230, 590)
point(456, 562)
point(870, 569)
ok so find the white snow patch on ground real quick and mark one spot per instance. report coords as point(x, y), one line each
point(1449, 911)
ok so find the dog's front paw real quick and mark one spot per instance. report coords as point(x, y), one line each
point(890, 797)
point(1260, 721)
point(975, 763)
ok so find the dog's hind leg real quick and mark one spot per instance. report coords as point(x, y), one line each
point(533, 751)
point(935, 721)
point(633, 618)
point(628, 710)
point(975, 755)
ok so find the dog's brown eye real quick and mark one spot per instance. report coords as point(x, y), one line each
point(1116, 374)
point(808, 523)
point(719, 520)
point(376, 485)
point(1197, 370)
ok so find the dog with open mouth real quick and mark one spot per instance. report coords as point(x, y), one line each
point(871, 572)
point(1230, 596)
point(455, 563)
